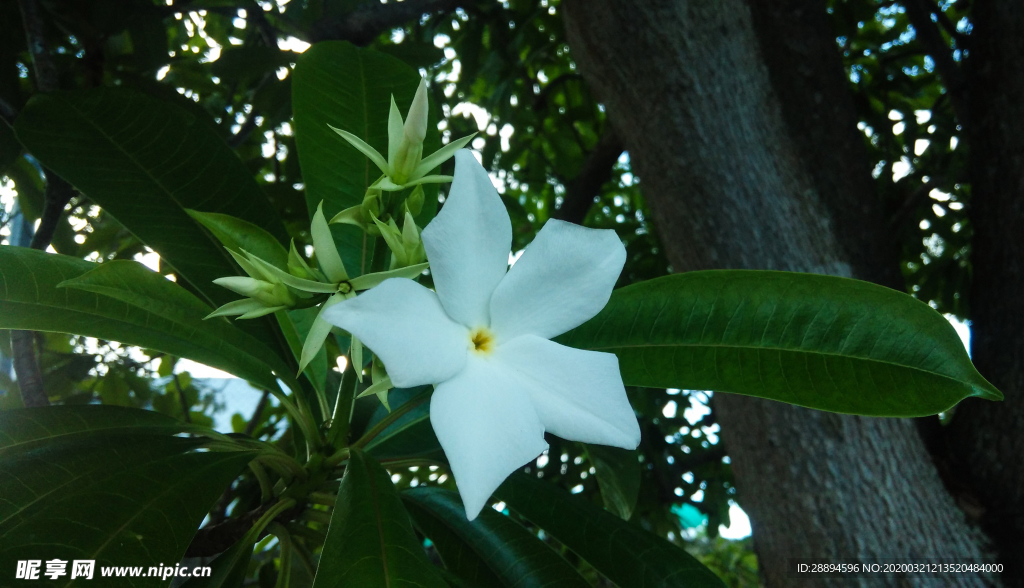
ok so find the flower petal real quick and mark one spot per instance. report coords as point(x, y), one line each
point(237, 307)
point(367, 281)
point(441, 155)
point(578, 394)
point(299, 284)
point(564, 278)
point(405, 325)
point(468, 243)
point(487, 427)
point(318, 333)
point(365, 149)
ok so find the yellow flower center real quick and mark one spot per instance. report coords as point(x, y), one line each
point(482, 340)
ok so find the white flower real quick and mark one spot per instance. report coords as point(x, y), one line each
point(483, 337)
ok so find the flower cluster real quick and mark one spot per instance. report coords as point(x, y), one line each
point(482, 338)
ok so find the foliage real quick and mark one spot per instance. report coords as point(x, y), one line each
point(175, 125)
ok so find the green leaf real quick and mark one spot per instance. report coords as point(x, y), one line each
point(625, 553)
point(237, 235)
point(816, 341)
point(127, 303)
point(336, 83)
point(493, 550)
point(228, 570)
point(371, 541)
point(618, 475)
point(104, 483)
point(145, 162)
point(133, 283)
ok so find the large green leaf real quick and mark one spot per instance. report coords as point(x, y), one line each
point(349, 88)
point(817, 341)
point(128, 304)
point(145, 161)
point(625, 553)
point(493, 550)
point(618, 475)
point(134, 284)
point(110, 484)
point(371, 541)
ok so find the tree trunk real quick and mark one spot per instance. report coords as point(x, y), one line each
point(735, 180)
point(987, 439)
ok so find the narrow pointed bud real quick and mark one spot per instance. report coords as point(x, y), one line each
point(326, 251)
point(248, 287)
point(396, 130)
point(416, 120)
point(414, 252)
point(265, 292)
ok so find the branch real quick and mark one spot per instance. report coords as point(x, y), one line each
point(58, 194)
point(364, 24)
point(920, 14)
point(580, 191)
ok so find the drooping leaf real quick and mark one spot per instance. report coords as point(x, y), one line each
point(625, 553)
point(31, 299)
point(618, 475)
point(103, 483)
point(816, 341)
point(371, 541)
point(145, 162)
point(134, 284)
point(237, 235)
point(338, 84)
point(493, 550)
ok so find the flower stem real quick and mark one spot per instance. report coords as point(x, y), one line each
point(338, 433)
point(267, 518)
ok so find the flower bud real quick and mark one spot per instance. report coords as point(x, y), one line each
point(414, 203)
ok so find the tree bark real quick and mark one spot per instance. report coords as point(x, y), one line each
point(987, 439)
point(737, 178)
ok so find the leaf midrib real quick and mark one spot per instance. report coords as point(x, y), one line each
point(781, 349)
point(89, 122)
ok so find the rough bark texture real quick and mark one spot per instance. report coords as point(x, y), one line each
point(988, 438)
point(737, 181)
